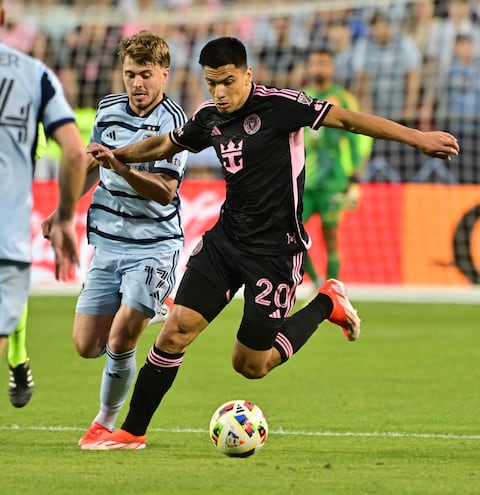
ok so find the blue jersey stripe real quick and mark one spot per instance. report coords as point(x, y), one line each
point(119, 218)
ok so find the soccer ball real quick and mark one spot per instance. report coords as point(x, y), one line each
point(238, 428)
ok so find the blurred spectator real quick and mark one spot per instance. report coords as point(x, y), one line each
point(179, 42)
point(440, 44)
point(455, 106)
point(476, 11)
point(195, 91)
point(389, 71)
point(340, 40)
point(418, 25)
point(280, 61)
point(87, 60)
point(140, 16)
point(21, 35)
point(420, 21)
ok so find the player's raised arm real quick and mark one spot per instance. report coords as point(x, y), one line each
point(159, 187)
point(438, 144)
point(153, 148)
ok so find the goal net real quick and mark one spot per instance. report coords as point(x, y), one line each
point(415, 62)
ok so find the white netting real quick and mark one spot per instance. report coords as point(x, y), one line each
point(420, 76)
point(420, 66)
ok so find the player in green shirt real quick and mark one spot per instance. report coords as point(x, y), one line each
point(334, 159)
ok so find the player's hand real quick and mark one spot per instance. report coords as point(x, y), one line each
point(96, 149)
point(63, 238)
point(106, 158)
point(46, 225)
point(438, 144)
point(351, 198)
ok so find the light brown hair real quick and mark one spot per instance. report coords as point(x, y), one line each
point(145, 48)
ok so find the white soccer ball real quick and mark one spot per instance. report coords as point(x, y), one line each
point(238, 428)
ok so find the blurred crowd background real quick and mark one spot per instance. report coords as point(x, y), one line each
point(416, 62)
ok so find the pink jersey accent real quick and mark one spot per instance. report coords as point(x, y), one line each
point(206, 104)
point(297, 152)
point(297, 279)
point(285, 344)
point(290, 94)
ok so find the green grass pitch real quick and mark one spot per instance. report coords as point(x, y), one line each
point(397, 412)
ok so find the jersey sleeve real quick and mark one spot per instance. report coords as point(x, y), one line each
point(175, 166)
point(193, 135)
point(296, 109)
point(56, 111)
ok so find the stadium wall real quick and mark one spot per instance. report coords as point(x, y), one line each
point(411, 242)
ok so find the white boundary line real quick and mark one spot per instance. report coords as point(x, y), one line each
point(280, 431)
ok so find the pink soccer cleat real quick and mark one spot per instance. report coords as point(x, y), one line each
point(343, 313)
point(120, 439)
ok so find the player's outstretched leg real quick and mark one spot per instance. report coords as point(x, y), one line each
point(343, 313)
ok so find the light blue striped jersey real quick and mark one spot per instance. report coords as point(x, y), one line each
point(119, 219)
point(29, 94)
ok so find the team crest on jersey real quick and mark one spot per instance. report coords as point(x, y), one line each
point(252, 123)
point(232, 159)
point(304, 98)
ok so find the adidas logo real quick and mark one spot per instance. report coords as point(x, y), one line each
point(275, 314)
point(113, 375)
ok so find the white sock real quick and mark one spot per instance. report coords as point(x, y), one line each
point(118, 375)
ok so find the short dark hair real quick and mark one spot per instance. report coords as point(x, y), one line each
point(223, 51)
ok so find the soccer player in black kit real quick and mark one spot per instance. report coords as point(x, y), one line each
point(259, 241)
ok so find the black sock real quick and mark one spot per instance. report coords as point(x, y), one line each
point(153, 382)
point(299, 327)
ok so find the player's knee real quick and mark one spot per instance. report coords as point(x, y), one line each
point(179, 331)
point(249, 370)
point(88, 351)
point(172, 341)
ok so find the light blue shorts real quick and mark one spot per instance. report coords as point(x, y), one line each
point(134, 280)
point(14, 288)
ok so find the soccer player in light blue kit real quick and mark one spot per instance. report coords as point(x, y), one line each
point(30, 94)
point(133, 223)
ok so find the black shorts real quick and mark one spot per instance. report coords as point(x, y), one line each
point(217, 269)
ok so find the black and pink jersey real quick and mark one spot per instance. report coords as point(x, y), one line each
point(262, 154)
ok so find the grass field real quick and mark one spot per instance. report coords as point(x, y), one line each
point(397, 412)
